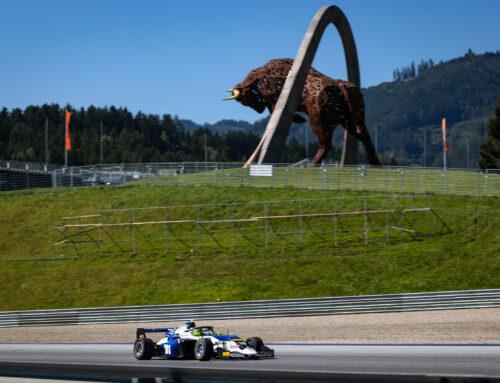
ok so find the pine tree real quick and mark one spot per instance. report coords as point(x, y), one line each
point(490, 151)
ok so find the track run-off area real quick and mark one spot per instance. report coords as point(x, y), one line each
point(441, 343)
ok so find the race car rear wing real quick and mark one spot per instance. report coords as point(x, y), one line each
point(141, 332)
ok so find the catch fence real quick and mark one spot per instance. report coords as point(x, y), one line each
point(341, 221)
point(386, 179)
point(331, 177)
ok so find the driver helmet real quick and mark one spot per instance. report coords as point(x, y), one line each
point(198, 332)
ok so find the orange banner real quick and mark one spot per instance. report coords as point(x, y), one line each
point(68, 138)
point(443, 127)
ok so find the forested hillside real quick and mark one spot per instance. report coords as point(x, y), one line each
point(126, 138)
point(399, 115)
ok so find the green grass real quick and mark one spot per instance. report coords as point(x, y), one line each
point(467, 258)
point(400, 180)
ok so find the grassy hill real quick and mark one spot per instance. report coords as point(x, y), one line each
point(467, 258)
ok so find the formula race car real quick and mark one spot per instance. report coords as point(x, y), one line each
point(187, 340)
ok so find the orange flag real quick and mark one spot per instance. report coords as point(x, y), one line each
point(345, 134)
point(443, 127)
point(68, 138)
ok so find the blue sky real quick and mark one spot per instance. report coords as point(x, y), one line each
point(177, 57)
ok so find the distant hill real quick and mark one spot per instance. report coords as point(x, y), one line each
point(463, 90)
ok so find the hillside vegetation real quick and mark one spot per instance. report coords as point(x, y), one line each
point(463, 90)
point(467, 258)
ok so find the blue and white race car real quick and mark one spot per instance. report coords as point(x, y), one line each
point(187, 340)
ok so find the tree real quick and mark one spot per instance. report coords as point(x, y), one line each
point(490, 151)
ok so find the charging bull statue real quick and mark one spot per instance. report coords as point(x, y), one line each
point(327, 103)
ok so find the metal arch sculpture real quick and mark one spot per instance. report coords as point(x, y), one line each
point(273, 139)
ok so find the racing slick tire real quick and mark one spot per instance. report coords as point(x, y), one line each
point(256, 343)
point(203, 349)
point(144, 348)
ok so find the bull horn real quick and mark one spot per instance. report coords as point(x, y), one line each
point(236, 94)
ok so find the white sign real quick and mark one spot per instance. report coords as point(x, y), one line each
point(261, 170)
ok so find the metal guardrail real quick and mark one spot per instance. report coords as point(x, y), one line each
point(257, 309)
point(124, 373)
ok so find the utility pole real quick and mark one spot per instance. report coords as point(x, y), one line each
point(47, 141)
point(206, 154)
point(65, 139)
point(102, 152)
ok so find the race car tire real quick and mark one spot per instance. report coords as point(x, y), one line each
point(144, 348)
point(203, 349)
point(256, 343)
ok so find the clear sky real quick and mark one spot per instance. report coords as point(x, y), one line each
point(177, 57)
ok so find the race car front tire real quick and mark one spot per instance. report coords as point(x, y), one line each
point(256, 343)
point(144, 348)
point(203, 349)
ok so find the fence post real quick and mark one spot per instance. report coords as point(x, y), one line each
point(300, 222)
point(478, 184)
point(166, 230)
point(385, 178)
point(402, 185)
point(215, 175)
point(199, 231)
point(53, 238)
point(485, 181)
point(287, 171)
point(232, 226)
point(100, 233)
point(366, 222)
point(416, 180)
point(133, 231)
point(335, 223)
point(363, 173)
point(196, 170)
point(222, 168)
point(387, 233)
point(431, 221)
point(399, 219)
point(265, 220)
point(300, 177)
point(355, 175)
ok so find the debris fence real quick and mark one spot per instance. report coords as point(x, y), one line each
point(340, 222)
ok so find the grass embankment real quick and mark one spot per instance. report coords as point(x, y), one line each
point(467, 258)
point(388, 179)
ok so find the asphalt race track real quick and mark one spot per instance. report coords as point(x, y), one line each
point(475, 360)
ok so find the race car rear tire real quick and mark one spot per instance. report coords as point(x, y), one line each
point(144, 348)
point(203, 349)
point(256, 343)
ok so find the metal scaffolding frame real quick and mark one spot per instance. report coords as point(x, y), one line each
point(239, 226)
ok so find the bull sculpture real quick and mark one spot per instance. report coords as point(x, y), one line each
point(327, 103)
